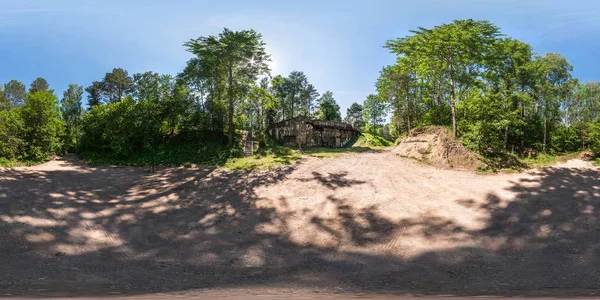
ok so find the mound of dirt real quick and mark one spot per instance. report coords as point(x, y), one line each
point(587, 156)
point(436, 145)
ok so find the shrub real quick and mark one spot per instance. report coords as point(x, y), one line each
point(114, 128)
point(565, 139)
point(42, 125)
point(594, 138)
point(11, 134)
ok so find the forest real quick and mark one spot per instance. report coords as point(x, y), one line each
point(495, 93)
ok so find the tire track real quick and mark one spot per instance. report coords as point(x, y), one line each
point(110, 239)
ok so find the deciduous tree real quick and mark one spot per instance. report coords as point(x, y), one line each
point(239, 57)
point(72, 111)
point(15, 93)
point(329, 110)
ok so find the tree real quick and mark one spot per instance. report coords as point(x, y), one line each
point(39, 85)
point(310, 94)
point(397, 87)
point(279, 90)
point(519, 77)
point(146, 86)
point(329, 110)
point(556, 73)
point(174, 102)
point(238, 56)
point(205, 80)
point(42, 125)
point(259, 106)
point(72, 112)
point(354, 115)
point(116, 85)
point(507, 76)
point(94, 94)
point(455, 50)
point(11, 134)
point(15, 93)
point(374, 110)
point(296, 83)
point(4, 103)
point(297, 96)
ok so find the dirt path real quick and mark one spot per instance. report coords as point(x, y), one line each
point(362, 223)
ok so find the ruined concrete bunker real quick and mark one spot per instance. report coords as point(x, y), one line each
point(312, 133)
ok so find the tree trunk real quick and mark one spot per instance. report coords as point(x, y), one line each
point(420, 101)
point(216, 120)
point(77, 134)
point(522, 104)
point(407, 114)
point(408, 124)
point(506, 106)
point(230, 121)
point(439, 102)
point(153, 153)
point(452, 106)
point(282, 108)
point(506, 137)
point(397, 118)
point(308, 106)
point(293, 100)
point(545, 130)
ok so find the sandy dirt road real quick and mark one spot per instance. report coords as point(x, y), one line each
point(367, 223)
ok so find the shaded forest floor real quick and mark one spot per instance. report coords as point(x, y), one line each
point(368, 222)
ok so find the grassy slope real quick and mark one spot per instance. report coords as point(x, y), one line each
point(11, 163)
point(272, 154)
point(215, 154)
point(209, 153)
point(547, 160)
point(508, 163)
point(372, 141)
point(6, 163)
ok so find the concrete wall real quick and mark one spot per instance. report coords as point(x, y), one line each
point(311, 133)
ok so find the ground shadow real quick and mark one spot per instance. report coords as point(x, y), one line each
point(333, 181)
point(95, 231)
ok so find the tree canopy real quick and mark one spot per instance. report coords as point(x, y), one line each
point(235, 59)
point(329, 110)
point(494, 92)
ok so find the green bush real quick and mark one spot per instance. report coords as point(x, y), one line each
point(375, 130)
point(202, 153)
point(115, 129)
point(42, 125)
point(482, 137)
point(131, 132)
point(594, 138)
point(565, 139)
point(11, 134)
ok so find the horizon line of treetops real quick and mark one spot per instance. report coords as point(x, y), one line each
point(494, 92)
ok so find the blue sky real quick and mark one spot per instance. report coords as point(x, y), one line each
point(338, 44)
